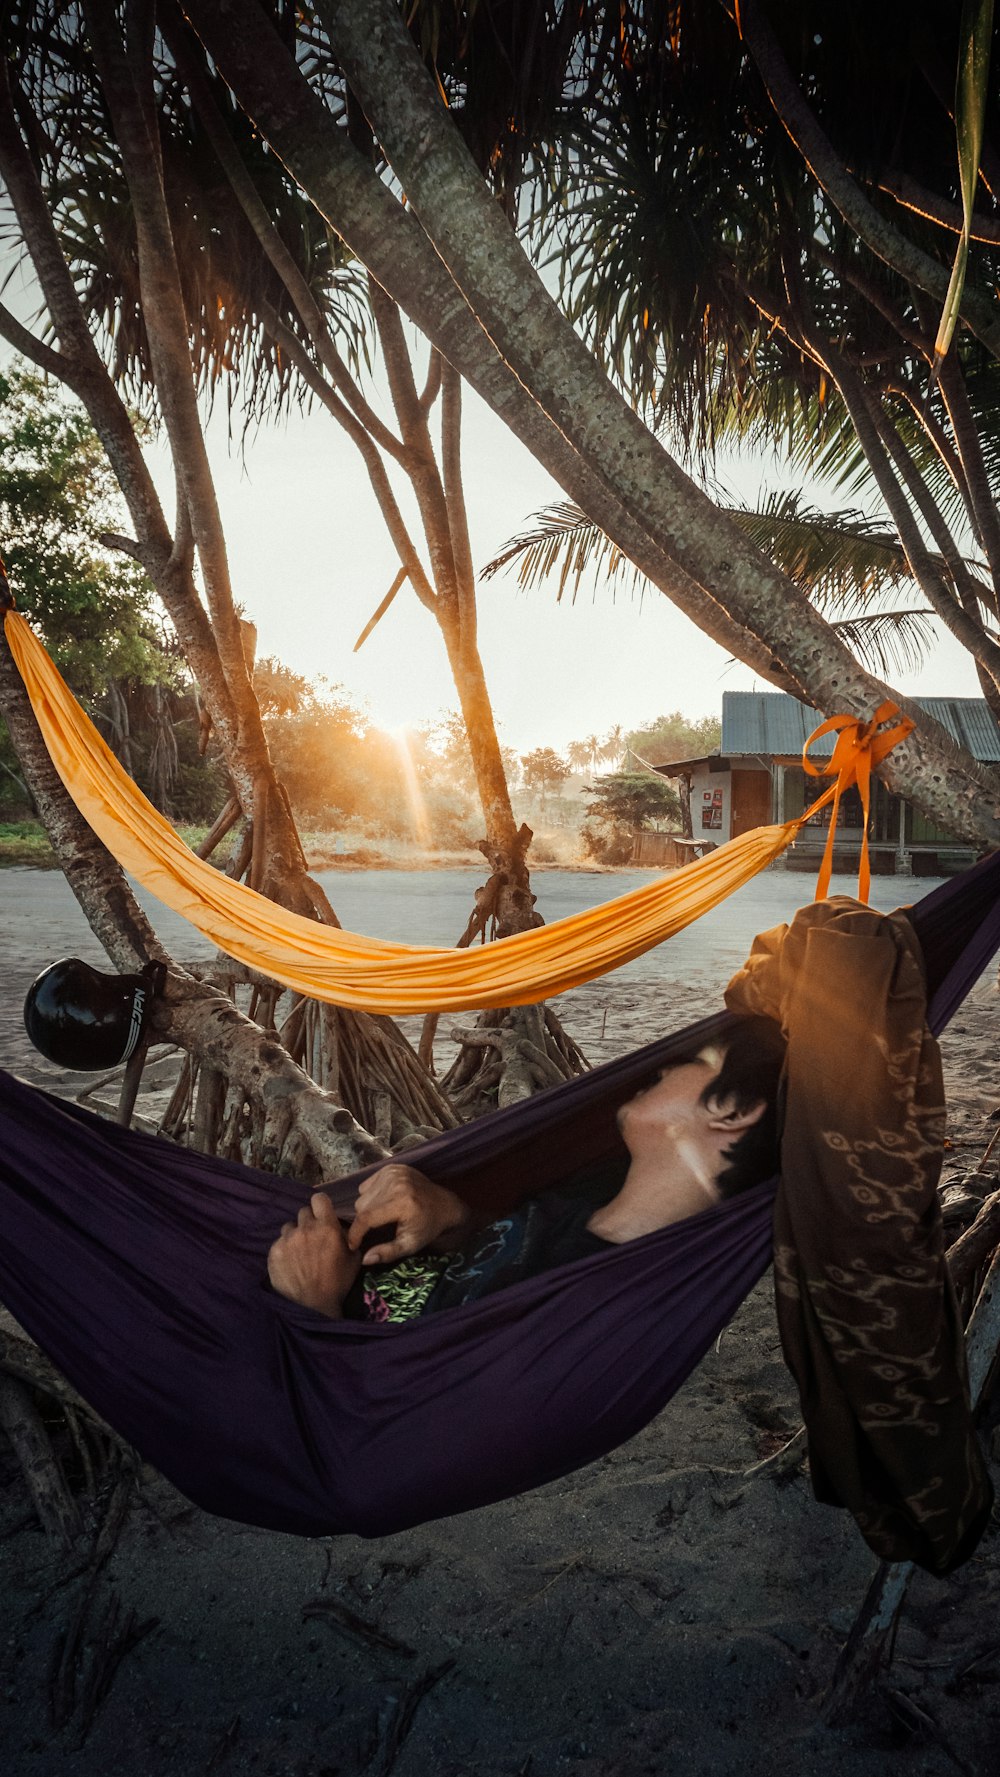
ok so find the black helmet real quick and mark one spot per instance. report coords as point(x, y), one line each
point(79, 1018)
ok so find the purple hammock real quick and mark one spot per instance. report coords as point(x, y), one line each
point(139, 1267)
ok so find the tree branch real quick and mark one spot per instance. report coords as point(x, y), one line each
point(981, 502)
point(419, 462)
point(880, 442)
point(432, 385)
point(454, 490)
point(879, 299)
point(388, 239)
point(82, 370)
point(125, 545)
point(916, 400)
point(167, 332)
point(23, 341)
point(830, 174)
point(246, 193)
point(916, 197)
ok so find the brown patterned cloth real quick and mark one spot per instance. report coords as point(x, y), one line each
point(868, 1319)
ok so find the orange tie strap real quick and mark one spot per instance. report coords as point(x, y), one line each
point(858, 748)
point(372, 974)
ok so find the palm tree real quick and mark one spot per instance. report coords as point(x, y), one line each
point(728, 270)
point(110, 214)
point(613, 747)
point(846, 563)
point(593, 745)
point(509, 339)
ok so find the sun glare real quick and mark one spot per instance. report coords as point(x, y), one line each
point(414, 795)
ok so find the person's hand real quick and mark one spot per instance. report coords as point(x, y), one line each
point(311, 1262)
point(424, 1214)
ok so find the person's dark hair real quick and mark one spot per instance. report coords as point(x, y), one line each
point(751, 1071)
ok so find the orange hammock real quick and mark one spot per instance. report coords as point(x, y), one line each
point(370, 973)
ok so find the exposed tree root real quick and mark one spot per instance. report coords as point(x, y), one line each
point(508, 1054)
point(513, 1053)
point(39, 1465)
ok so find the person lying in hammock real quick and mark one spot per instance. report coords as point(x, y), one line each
point(705, 1129)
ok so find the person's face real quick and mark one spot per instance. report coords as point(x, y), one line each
point(674, 1105)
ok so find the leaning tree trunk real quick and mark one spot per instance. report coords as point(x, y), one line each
point(368, 1062)
point(495, 322)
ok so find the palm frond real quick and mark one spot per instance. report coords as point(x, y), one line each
point(844, 563)
point(839, 559)
point(976, 32)
point(561, 540)
point(889, 642)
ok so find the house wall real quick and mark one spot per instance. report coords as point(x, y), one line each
point(712, 797)
point(711, 804)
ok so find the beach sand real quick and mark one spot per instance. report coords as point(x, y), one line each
point(666, 1610)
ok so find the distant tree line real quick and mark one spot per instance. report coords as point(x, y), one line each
point(101, 620)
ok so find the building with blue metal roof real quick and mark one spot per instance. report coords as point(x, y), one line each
point(756, 777)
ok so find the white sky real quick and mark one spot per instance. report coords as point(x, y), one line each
point(311, 560)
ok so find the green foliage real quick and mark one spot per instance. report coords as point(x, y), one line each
point(544, 771)
point(845, 563)
point(337, 766)
point(280, 691)
point(318, 745)
point(25, 843)
point(561, 540)
point(443, 748)
point(675, 737)
point(621, 804)
point(94, 607)
point(633, 799)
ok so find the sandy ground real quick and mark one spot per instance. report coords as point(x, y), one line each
point(666, 1610)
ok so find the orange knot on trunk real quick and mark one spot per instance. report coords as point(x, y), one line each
point(859, 747)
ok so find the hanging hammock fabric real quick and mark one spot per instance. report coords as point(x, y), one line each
point(868, 1319)
point(374, 975)
point(140, 1268)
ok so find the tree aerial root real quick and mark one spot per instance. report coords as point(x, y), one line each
point(782, 1464)
point(258, 1100)
point(20, 1419)
point(510, 1053)
point(35, 1401)
point(223, 825)
point(95, 1641)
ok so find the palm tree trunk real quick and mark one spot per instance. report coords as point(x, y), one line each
point(523, 347)
point(389, 241)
